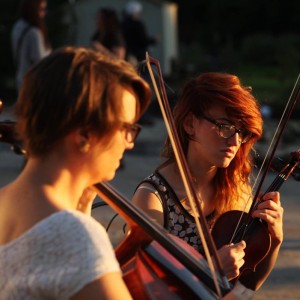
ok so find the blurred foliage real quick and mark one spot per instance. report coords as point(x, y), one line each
point(259, 41)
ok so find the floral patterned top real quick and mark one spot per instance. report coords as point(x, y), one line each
point(177, 220)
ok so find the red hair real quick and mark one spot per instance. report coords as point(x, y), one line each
point(219, 89)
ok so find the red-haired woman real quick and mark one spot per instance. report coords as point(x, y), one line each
point(218, 121)
point(29, 37)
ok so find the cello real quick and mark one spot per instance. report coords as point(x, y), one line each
point(199, 279)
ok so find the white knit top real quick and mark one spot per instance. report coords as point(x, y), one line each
point(55, 258)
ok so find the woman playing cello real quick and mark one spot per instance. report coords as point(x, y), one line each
point(76, 115)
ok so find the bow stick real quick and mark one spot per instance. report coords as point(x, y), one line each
point(289, 108)
point(206, 238)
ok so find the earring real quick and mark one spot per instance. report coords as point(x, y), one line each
point(84, 146)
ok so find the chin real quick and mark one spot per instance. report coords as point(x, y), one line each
point(109, 176)
point(224, 164)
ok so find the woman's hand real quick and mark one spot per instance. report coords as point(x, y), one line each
point(86, 201)
point(270, 210)
point(232, 258)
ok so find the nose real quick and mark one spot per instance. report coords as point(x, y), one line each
point(129, 146)
point(234, 140)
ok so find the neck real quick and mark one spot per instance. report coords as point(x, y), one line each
point(202, 175)
point(52, 183)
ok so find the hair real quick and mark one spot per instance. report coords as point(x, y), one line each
point(74, 88)
point(29, 12)
point(219, 89)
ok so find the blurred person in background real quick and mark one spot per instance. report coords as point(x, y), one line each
point(135, 32)
point(108, 37)
point(29, 37)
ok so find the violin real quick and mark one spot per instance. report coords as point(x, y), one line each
point(252, 230)
point(241, 226)
point(8, 135)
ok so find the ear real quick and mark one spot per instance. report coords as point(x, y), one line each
point(82, 140)
point(189, 124)
point(80, 135)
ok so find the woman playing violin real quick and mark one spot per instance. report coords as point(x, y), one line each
point(218, 121)
point(76, 115)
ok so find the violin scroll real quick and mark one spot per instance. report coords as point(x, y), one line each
point(8, 135)
point(278, 164)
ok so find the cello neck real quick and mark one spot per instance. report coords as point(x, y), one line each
point(137, 221)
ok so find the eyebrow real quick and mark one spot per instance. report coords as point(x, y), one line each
point(236, 123)
point(224, 119)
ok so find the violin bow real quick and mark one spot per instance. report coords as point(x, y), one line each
point(203, 230)
point(266, 164)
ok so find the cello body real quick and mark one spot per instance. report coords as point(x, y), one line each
point(155, 264)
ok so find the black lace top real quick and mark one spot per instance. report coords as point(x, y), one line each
point(177, 220)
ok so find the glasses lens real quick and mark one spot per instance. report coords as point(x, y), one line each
point(227, 131)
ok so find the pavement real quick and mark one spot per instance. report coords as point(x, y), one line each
point(284, 281)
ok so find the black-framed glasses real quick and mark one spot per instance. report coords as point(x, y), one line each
point(227, 131)
point(131, 131)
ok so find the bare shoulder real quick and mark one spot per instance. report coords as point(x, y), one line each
point(108, 286)
point(146, 196)
point(148, 199)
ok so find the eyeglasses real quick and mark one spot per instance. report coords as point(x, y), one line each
point(131, 131)
point(227, 131)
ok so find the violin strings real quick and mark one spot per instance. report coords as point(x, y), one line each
point(274, 143)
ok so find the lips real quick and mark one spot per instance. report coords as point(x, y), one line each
point(228, 151)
